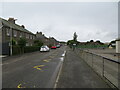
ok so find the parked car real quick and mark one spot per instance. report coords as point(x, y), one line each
point(53, 47)
point(44, 49)
point(58, 46)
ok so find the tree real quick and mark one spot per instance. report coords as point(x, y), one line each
point(91, 41)
point(22, 43)
point(13, 42)
point(98, 41)
point(75, 37)
point(38, 43)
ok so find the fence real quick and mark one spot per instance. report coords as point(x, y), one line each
point(106, 68)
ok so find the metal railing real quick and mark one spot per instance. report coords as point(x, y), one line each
point(105, 67)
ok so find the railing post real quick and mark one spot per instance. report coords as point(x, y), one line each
point(103, 68)
point(92, 60)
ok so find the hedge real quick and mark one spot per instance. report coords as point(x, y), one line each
point(17, 50)
point(28, 49)
point(92, 46)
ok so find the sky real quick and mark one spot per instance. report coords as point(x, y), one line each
point(90, 20)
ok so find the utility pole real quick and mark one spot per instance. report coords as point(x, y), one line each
point(10, 41)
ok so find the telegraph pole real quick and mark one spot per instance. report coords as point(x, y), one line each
point(10, 41)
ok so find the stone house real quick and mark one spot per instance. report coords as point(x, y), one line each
point(46, 41)
point(12, 30)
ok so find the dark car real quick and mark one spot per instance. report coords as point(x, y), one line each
point(58, 46)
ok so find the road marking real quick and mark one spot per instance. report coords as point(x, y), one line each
point(62, 59)
point(20, 86)
point(64, 54)
point(51, 56)
point(46, 60)
point(38, 67)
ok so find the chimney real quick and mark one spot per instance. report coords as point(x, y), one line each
point(41, 33)
point(22, 26)
point(12, 20)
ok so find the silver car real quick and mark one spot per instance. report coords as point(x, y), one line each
point(44, 48)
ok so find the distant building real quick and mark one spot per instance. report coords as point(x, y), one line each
point(53, 41)
point(46, 41)
point(11, 29)
point(42, 38)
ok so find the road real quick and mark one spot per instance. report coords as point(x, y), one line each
point(33, 70)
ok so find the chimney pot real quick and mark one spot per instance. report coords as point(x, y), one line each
point(12, 20)
point(23, 26)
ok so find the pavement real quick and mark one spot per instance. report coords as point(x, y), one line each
point(32, 70)
point(76, 73)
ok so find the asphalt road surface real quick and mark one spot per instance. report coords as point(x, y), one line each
point(59, 68)
point(75, 73)
point(33, 70)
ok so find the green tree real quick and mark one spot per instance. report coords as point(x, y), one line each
point(38, 43)
point(22, 43)
point(91, 40)
point(13, 42)
point(75, 37)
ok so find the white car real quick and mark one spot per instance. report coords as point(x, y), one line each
point(44, 49)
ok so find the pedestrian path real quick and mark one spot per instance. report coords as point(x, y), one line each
point(77, 74)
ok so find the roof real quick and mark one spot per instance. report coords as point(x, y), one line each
point(14, 26)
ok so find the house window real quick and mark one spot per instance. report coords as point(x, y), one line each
point(20, 34)
point(27, 44)
point(7, 32)
point(33, 37)
point(30, 36)
point(15, 33)
point(27, 35)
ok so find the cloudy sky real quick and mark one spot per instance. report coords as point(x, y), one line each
point(90, 20)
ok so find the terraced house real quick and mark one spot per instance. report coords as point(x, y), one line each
point(11, 29)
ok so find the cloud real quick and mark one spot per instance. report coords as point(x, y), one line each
point(90, 20)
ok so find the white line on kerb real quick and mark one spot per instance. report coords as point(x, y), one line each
point(64, 54)
point(62, 59)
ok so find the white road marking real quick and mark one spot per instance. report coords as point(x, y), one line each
point(64, 54)
point(62, 59)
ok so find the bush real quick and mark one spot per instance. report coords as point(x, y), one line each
point(27, 49)
point(31, 49)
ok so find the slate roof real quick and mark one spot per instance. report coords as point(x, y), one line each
point(14, 26)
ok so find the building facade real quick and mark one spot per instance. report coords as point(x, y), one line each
point(46, 41)
point(13, 31)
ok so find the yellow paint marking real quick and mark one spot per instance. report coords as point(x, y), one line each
point(51, 56)
point(39, 67)
point(46, 60)
point(20, 86)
